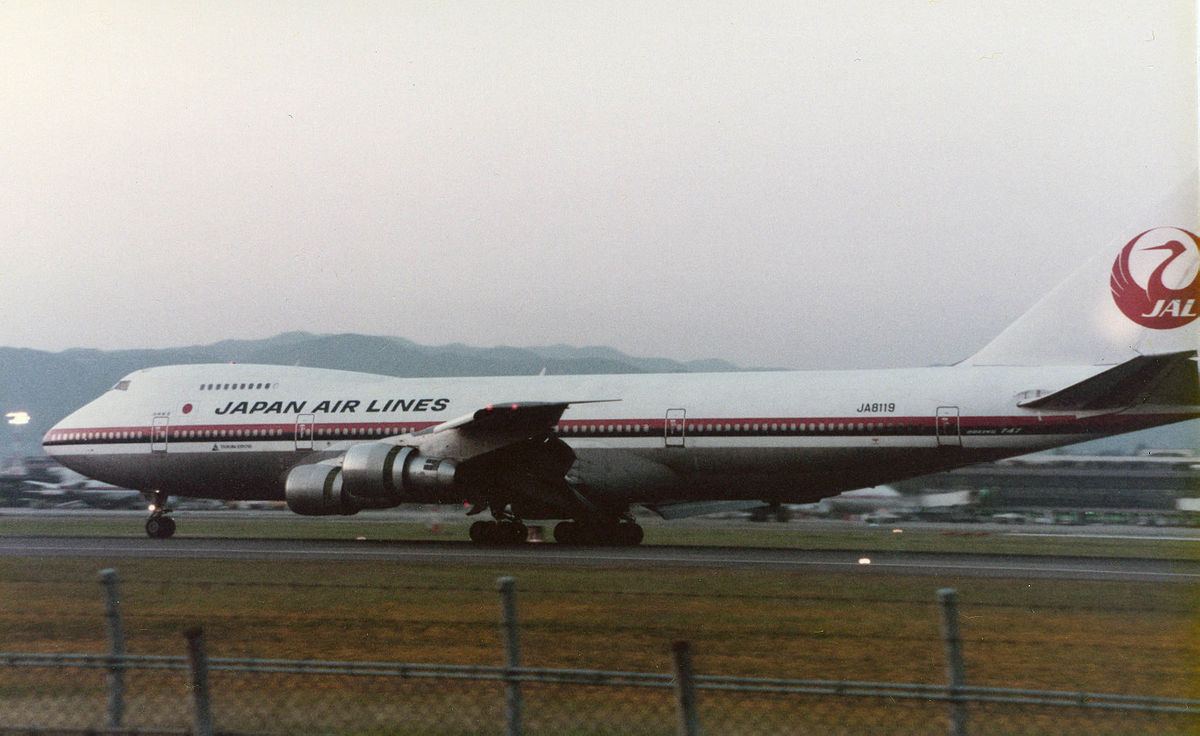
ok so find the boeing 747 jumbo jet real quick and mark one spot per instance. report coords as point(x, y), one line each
point(1112, 350)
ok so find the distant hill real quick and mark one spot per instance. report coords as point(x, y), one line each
point(51, 385)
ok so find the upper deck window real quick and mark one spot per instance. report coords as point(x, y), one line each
point(121, 386)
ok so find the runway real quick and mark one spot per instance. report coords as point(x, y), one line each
point(785, 560)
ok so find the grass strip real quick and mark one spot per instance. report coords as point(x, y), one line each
point(1098, 636)
point(965, 539)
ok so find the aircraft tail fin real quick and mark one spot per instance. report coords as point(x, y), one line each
point(1140, 296)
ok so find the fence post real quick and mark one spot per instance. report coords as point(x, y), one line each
point(116, 638)
point(955, 670)
point(512, 655)
point(685, 689)
point(198, 661)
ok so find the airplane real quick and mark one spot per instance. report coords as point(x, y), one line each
point(90, 493)
point(1111, 350)
point(868, 500)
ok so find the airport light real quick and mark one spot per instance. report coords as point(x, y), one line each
point(17, 417)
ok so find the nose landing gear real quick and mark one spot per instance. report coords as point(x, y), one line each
point(159, 525)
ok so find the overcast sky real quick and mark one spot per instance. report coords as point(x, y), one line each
point(839, 184)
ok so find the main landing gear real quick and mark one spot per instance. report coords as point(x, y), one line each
point(613, 533)
point(600, 529)
point(498, 532)
point(577, 533)
point(159, 525)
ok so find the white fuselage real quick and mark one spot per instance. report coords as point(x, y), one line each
point(235, 431)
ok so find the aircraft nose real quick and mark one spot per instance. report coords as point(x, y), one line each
point(57, 439)
point(61, 442)
point(52, 437)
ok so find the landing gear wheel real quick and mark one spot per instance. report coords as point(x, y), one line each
point(513, 532)
point(629, 534)
point(567, 532)
point(478, 532)
point(160, 527)
point(608, 534)
point(498, 533)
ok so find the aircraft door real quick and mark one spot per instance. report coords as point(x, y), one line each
point(676, 427)
point(158, 434)
point(948, 430)
point(304, 431)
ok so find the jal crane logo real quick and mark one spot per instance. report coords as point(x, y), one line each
point(1157, 291)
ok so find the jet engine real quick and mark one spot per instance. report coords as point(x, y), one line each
point(379, 470)
point(316, 490)
point(373, 475)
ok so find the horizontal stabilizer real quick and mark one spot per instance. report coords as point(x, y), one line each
point(1168, 379)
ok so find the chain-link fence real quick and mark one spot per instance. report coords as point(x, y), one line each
point(71, 694)
point(118, 693)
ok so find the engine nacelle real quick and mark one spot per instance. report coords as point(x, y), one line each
point(317, 490)
point(375, 471)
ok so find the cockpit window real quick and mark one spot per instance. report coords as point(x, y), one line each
point(121, 386)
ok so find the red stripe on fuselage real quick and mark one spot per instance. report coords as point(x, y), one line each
point(711, 427)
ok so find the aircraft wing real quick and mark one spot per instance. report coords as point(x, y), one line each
point(1169, 378)
point(508, 448)
point(493, 427)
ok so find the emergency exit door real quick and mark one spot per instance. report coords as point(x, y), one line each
point(158, 434)
point(304, 431)
point(949, 433)
point(676, 427)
